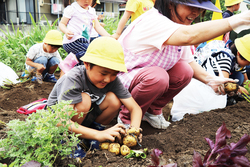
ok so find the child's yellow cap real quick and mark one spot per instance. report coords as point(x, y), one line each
point(105, 52)
point(232, 2)
point(242, 45)
point(53, 37)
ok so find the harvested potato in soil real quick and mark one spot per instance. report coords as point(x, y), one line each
point(134, 131)
point(114, 148)
point(129, 141)
point(125, 150)
point(104, 146)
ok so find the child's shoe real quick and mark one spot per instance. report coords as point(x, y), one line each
point(50, 78)
point(79, 152)
point(157, 121)
point(39, 78)
point(24, 75)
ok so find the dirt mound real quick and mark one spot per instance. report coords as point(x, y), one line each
point(177, 142)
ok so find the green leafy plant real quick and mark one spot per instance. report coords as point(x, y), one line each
point(39, 138)
point(111, 24)
point(246, 85)
point(15, 43)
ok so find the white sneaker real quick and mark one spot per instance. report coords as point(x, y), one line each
point(157, 121)
point(119, 121)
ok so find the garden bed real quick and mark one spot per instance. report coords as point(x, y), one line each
point(177, 142)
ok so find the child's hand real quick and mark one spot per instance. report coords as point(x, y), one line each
point(40, 68)
point(69, 35)
point(111, 133)
point(115, 35)
point(242, 89)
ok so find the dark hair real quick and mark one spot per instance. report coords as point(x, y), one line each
point(91, 65)
point(234, 49)
point(243, 58)
point(66, 3)
point(55, 46)
point(93, 3)
point(163, 6)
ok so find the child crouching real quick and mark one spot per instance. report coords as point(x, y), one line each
point(96, 92)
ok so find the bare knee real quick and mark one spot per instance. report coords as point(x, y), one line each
point(112, 100)
point(82, 108)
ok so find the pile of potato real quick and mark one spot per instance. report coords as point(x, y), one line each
point(122, 147)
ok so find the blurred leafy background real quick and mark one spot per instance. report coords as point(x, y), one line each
point(15, 42)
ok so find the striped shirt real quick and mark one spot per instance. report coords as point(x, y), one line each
point(226, 63)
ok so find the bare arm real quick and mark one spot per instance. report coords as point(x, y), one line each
point(39, 67)
point(63, 27)
point(135, 111)
point(99, 29)
point(199, 73)
point(122, 24)
point(89, 133)
point(198, 33)
point(201, 32)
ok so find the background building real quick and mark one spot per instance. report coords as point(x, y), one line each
point(17, 11)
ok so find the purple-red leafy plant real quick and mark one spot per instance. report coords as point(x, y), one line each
point(155, 159)
point(222, 155)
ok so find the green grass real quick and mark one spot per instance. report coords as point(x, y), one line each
point(15, 44)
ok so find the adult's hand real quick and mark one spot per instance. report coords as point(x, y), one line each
point(217, 83)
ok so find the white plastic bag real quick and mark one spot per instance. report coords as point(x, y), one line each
point(7, 73)
point(195, 98)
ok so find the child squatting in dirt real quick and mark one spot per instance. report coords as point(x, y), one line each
point(96, 92)
point(44, 57)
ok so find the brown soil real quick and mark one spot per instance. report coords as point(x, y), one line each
point(177, 142)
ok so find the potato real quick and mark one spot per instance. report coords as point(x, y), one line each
point(104, 146)
point(129, 141)
point(133, 130)
point(231, 87)
point(125, 150)
point(114, 148)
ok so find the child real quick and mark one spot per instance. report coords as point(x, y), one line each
point(96, 91)
point(232, 6)
point(234, 66)
point(134, 8)
point(76, 24)
point(44, 57)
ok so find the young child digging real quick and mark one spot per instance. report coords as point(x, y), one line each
point(43, 58)
point(96, 92)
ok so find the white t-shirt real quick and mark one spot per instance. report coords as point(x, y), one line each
point(37, 51)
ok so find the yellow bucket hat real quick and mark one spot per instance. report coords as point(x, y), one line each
point(242, 45)
point(232, 2)
point(53, 37)
point(105, 52)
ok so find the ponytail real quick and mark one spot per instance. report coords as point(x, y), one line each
point(66, 3)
